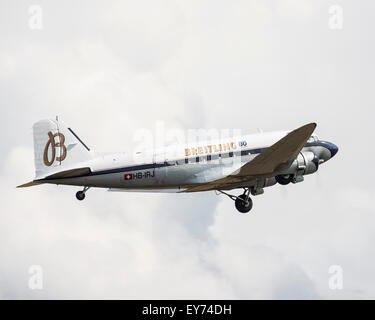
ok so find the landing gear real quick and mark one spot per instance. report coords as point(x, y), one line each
point(243, 202)
point(284, 179)
point(80, 195)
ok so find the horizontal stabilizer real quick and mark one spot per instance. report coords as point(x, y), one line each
point(69, 173)
point(30, 184)
point(79, 172)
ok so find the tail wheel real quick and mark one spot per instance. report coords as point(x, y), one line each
point(242, 205)
point(284, 179)
point(80, 195)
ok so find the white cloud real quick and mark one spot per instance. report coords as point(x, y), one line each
point(110, 71)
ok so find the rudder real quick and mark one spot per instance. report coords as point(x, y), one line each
point(57, 148)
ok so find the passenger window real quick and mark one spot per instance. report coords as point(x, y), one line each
point(193, 160)
point(181, 161)
point(170, 163)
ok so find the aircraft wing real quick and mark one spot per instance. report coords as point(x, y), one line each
point(283, 151)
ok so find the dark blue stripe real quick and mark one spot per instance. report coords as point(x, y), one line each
point(259, 150)
point(132, 168)
point(315, 144)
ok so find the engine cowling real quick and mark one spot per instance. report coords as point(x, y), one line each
point(306, 163)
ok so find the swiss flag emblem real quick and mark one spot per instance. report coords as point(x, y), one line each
point(128, 176)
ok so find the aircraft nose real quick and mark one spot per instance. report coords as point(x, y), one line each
point(329, 150)
point(332, 148)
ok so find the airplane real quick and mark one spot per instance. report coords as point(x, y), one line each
point(249, 162)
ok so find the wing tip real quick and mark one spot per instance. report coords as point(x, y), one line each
point(309, 127)
point(311, 124)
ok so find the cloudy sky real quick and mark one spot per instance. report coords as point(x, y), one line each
point(111, 68)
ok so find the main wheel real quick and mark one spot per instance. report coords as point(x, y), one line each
point(80, 195)
point(284, 179)
point(241, 204)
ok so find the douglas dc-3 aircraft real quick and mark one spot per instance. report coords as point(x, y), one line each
point(250, 162)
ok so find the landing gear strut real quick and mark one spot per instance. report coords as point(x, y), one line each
point(80, 195)
point(243, 202)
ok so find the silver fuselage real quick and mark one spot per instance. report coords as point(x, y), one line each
point(179, 166)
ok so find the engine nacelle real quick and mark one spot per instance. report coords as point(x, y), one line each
point(306, 163)
point(259, 184)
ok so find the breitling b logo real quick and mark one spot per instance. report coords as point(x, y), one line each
point(54, 144)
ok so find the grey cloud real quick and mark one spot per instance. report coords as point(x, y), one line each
point(111, 70)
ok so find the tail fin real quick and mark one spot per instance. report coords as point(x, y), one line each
point(57, 148)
